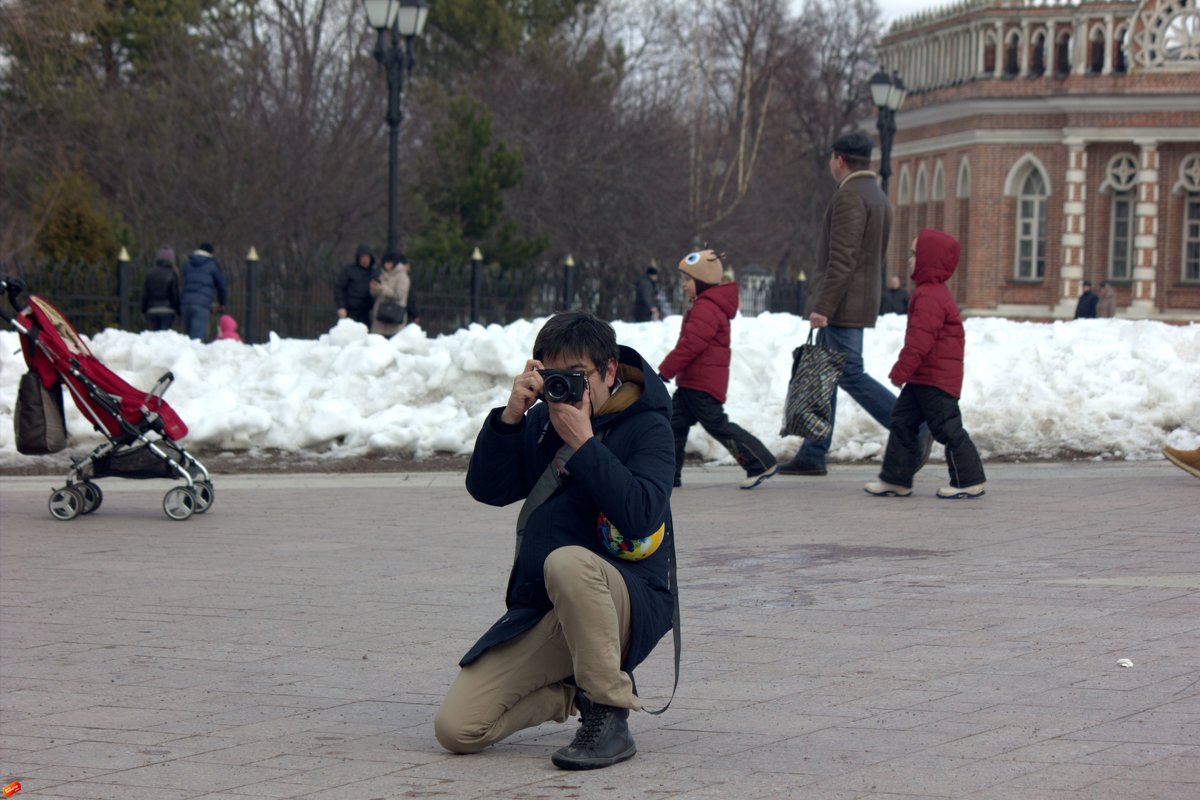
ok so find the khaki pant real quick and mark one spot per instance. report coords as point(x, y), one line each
point(520, 683)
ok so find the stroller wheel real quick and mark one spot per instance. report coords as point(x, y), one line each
point(205, 494)
point(92, 496)
point(179, 503)
point(66, 503)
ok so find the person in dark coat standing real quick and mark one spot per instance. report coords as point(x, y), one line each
point(204, 292)
point(699, 363)
point(895, 299)
point(160, 292)
point(588, 596)
point(352, 289)
point(645, 301)
point(930, 368)
point(1086, 307)
point(844, 297)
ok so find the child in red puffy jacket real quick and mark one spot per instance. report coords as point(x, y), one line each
point(930, 368)
point(700, 366)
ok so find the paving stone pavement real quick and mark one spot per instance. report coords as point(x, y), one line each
point(296, 640)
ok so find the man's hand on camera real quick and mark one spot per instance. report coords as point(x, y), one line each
point(526, 388)
point(573, 421)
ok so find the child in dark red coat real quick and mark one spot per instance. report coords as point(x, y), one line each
point(930, 368)
point(700, 366)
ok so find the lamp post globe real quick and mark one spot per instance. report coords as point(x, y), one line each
point(395, 20)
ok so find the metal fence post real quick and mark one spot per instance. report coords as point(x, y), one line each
point(568, 282)
point(476, 258)
point(251, 327)
point(123, 289)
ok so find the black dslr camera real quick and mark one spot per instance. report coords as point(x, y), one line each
point(562, 385)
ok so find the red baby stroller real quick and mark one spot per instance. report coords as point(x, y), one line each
point(143, 432)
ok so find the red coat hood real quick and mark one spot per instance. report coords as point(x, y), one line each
point(725, 296)
point(937, 257)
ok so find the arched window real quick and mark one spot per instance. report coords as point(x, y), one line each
point(938, 192)
point(1120, 66)
point(1031, 227)
point(1012, 55)
point(1096, 51)
point(921, 192)
point(1062, 54)
point(963, 189)
point(904, 193)
point(1120, 178)
point(990, 47)
point(1037, 55)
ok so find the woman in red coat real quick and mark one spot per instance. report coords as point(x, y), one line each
point(699, 364)
point(930, 368)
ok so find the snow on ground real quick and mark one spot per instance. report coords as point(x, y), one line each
point(1102, 388)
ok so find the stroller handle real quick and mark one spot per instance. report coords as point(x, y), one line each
point(14, 288)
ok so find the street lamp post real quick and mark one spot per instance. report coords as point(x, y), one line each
point(394, 19)
point(887, 92)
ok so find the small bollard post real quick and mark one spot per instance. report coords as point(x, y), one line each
point(476, 258)
point(568, 282)
point(801, 285)
point(251, 326)
point(123, 289)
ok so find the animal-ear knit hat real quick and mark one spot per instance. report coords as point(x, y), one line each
point(704, 266)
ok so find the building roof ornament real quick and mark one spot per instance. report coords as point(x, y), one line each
point(1166, 35)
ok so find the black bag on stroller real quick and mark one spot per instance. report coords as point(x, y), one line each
point(38, 420)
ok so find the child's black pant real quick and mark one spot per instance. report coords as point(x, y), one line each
point(690, 406)
point(929, 404)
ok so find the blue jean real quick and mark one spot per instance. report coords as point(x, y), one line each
point(873, 396)
point(195, 320)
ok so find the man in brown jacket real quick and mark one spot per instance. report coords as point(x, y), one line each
point(846, 286)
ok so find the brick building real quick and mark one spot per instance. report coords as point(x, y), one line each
point(1059, 140)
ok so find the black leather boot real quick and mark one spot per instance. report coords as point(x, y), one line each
point(603, 739)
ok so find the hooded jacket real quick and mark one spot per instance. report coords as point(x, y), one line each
point(160, 290)
point(202, 280)
point(227, 328)
point(701, 357)
point(934, 341)
point(625, 471)
point(352, 289)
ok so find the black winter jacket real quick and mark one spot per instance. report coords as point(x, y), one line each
point(161, 288)
point(624, 471)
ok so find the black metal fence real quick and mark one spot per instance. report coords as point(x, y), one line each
point(297, 302)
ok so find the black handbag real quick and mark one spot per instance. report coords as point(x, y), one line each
point(815, 374)
point(391, 313)
point(38, 420)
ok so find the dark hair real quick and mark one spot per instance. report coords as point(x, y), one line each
point(855, 163)
point(577, 333)
point(1087, 283)
point(1104, 283)
point(701, 286)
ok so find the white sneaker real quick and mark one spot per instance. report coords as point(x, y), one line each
point(754, 480)
point(961, 493)
point(882, 489)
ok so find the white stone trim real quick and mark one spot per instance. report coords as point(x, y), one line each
point(1098, 104)
point(1016, 175)
point(970, 138)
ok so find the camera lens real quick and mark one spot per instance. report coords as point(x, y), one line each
point(556, 388)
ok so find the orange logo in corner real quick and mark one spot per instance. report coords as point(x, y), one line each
point(12, 788)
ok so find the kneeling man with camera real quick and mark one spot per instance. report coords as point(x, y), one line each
point(588, 596)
